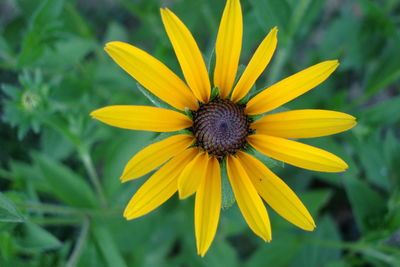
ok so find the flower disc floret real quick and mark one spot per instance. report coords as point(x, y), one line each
point(221, 127)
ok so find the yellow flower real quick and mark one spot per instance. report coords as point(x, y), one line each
point(222, 129)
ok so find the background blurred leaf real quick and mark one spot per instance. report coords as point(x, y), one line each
point(368, 206)
point(222, 255)
point(66, 185)
point(318, 254)
point(35, 237)
point(382, 75)
point(374, 162)
point(383, 113)
point(316, 199)
point(107, 247)
point(271, 14)
point(42, 31)
point(280, 252)
point(8, 212)
point(68, 52)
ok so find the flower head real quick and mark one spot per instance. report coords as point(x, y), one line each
point(222, 128)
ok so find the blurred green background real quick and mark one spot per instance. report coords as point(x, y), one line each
point(61, 201)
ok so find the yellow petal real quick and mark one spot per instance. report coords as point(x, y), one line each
point(228, 46)
point(276, 193)
point(142, 118)
point(192, 175)
point(154, 155)
point(153, 75)
point(249, 202)
point(207, 207)
point(256, 66)
point(304, 123)
point(188, 54)
point(297, 154)
point(159, 187)
point(291, 87)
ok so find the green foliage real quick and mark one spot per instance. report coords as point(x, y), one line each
point(26, 107)
point(228, 199)
point(61, 202)
point(8, 212)
point(60, 181)
point(44, 29)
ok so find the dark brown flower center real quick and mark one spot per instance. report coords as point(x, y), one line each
point(221, 127)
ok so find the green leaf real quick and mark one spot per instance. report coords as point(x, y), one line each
point(279, 252)
point(373, 161)
point(64, 184)
point(75, 22)
point(214, 93)
point(8, 212)
point(152, 98)
point(272, 13)
point(386, 70)
point(68, 52)
point(90, 256)
point(269, 162)
point(317, 254)
point(120, 150)
point(115, 31)
point(368, 206)
point(43, 30)
point(221, 253)
point(383, 113)
point(107, 247)
point(316, 200)
point(210, 62)
point(7, 245)
point(228, 198)
point(35, 237)
point(305, 12)
point(54, 145)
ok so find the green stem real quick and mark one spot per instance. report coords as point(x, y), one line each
point(287, 40)
point(85, 157)
point(94, 178)
point(76, 253)
point(65, 210)
point(377, 251)
point(277, 65)
point(57, 221)
point(297, 16)
point(50, 208)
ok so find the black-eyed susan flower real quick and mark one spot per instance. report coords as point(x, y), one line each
point(222, 128)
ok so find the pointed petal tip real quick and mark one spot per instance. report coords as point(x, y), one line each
point(123, 179)
point(335, 62)
point(353, 120)
point(132, 213)
point(342, 165)
point(201, 253)
point(128, 215)
point(95, 113)
point(311, 228)
point(182, 195)
point(267, 238)
point(109, 45)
